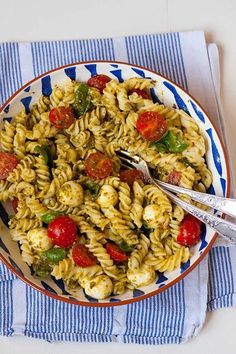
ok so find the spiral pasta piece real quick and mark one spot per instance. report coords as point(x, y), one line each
point(36, 207)
point(27, 254)
point(43, 175)
point(137, 205)
point(24, 224)
point(107, 264)
point(121, 226)
point(92, 210)
point(7, 136)
point(125, 200)
point(139, 253)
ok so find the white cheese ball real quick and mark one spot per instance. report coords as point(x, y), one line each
point(107, 196)
point(71, 193)
point(99, 287)
point(39, 240)
point(142, 276)
point(151, 215)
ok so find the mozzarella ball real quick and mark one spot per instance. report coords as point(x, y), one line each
point(71, 193)
point(107, 196)
point(151, 215)
point(39, 240)
point(142, 276)
point(99, 287)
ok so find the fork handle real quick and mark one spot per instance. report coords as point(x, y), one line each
point(225, 228)
point(226, 205)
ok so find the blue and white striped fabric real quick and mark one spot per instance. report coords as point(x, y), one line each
point(170, 317)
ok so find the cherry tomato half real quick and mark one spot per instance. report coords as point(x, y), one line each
point(129, 176)
point(61, 117)
point(99, 82)
point(8, 162)
point(174, 177)
point(62, 231)
point(15, 204)
point(140, 92)
point(97, 165)
point(190, 231)
point(151, 125)
point(116, 253)
point(82, 257)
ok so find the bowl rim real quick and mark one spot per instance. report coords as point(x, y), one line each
point(181, 276)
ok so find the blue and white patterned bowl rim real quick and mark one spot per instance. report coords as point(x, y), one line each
point(165, 92)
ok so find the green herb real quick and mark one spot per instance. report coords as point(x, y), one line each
point(92, 187)
point(42, 151)
point(171, 143)
point(48, 217)
point(186, 162)
point(125, 247)
point(42, 270)
point(47, 152)
point(82, 102)
point(55, 255)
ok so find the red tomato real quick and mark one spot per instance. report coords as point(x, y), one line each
point(99, 82)
point(129, 176)
point(140, 92)
point(61, 117)
point(15, 204)
point(116, 253)
point(174, 177)
point(8, 162)
point(151, 125)
point(97, 165)
point(82, 257)
point(190, 231)
point(62, 231)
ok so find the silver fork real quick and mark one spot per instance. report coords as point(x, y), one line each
point(223, 227)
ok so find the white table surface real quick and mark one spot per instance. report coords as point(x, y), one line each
point(31, 20)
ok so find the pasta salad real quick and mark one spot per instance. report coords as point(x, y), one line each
point(80, 216)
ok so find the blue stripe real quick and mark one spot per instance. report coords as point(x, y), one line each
point(5, 273)
point(166, 321)
point(10, 81)
point(180, 59)
point(10, 74)
point(6, 308)
point(221, 282)
point(49, 55)
point(65, 318)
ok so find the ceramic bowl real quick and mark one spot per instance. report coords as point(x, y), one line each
point(166, 92)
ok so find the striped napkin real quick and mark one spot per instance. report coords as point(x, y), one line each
point(177, 314)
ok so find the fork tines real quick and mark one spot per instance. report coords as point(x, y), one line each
point(127, 160)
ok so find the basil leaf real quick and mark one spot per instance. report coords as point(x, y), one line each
point(50, 216)
point(92, 187)
point(125, 247)
point(55, 255)
point(171, 143)
point(42, 151)
point(161, 147)
point(82, 102)
point(175, 143)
